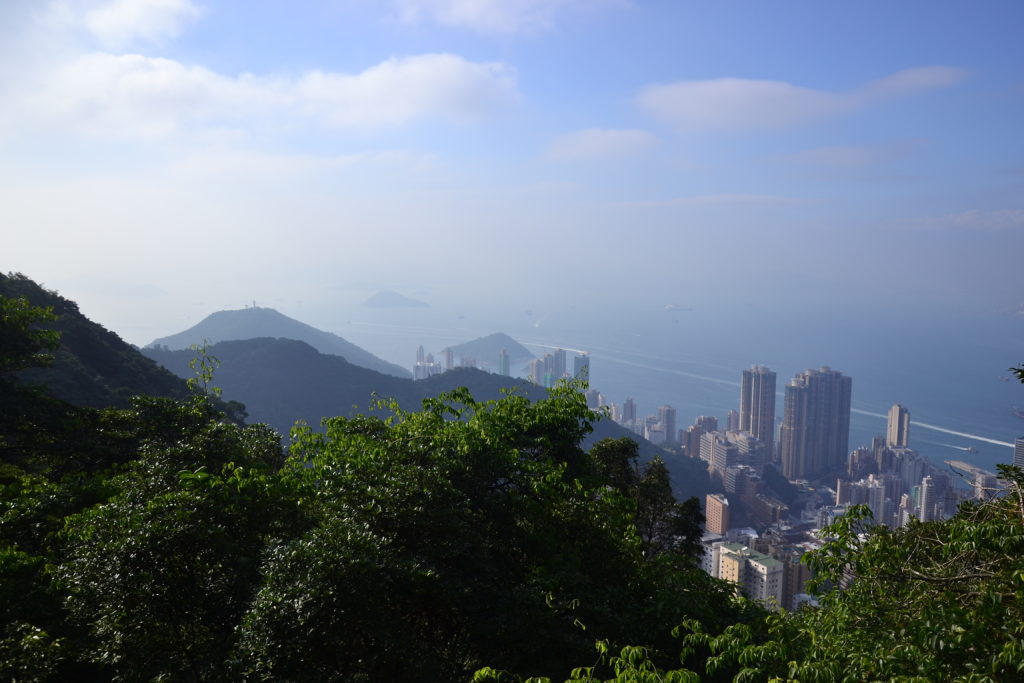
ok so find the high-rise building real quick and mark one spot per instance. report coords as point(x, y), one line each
point(815, 431)
point(757, 404)
point(449, 358)
point(537, 371)
point(503, 363)
point(557, 366)
point(752, 451)
point(1018, 452)
point(926, 509)
point(691, 439)
point(581, 367)
point(628, 411)
point(667, 418)
point(898, 433)
point(718, 452)
point(732, 421)
point(716, 513)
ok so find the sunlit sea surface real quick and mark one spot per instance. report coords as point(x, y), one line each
point(952, 374)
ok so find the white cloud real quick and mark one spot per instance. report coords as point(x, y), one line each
point(120, 23)
point(597, 143)
point(135, 96)
point(398, 91)
point(498, 16)
point(739, 104)
point(976, 219)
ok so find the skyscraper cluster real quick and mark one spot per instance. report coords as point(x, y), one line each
point(550, 369)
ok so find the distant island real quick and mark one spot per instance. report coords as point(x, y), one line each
point(486, 349)
point(387, 298)
point(258, 322)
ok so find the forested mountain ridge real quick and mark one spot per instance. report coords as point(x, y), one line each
point(281, 381)
point(92, 366)
point(257, 322)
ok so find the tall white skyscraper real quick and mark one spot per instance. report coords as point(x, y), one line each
point(757, 404)
point(1018, 452)
point(898, 432)
point(926, 500)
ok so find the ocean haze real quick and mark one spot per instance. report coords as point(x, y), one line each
point(950, 372)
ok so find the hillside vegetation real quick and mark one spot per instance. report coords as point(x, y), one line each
point(418, 546)
point(92, 366)
point(462, 541)
point(281, 381)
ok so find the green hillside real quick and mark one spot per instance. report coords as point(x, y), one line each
point(281, 381)
point(92, 366)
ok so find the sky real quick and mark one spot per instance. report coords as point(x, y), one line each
point(163, 159)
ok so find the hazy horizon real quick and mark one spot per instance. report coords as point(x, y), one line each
point(164, 159)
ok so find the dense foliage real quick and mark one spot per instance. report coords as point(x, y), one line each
point(92, 366)
point(466, 540)
point(163, 541)
point(281, 380)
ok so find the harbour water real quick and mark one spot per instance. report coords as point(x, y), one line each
point(953, 375)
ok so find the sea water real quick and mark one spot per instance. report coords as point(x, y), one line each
point(951, 372)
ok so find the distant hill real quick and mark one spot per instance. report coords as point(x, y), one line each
point(390, 299)
point(93, 366)
point(257, 322)
point(281, 381)
point(486, 349)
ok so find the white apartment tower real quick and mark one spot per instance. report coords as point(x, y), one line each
point(757, 404)
point(898, 432)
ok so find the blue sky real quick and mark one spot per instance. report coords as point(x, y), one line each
point(160, 159)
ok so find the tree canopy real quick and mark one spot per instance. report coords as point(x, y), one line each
point(465, 540)
point(164, 541)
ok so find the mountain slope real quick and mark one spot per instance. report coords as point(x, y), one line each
point(281, 381)
point(93, 366)
point(251, 323)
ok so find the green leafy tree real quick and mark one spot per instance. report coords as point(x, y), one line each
point(22, 343)
point(160, 573)
point(664, 524)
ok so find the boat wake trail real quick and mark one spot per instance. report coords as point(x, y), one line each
point(943, 430)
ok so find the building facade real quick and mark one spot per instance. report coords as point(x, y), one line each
point(898, 431)
point(815, 431)
point(757, 404)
